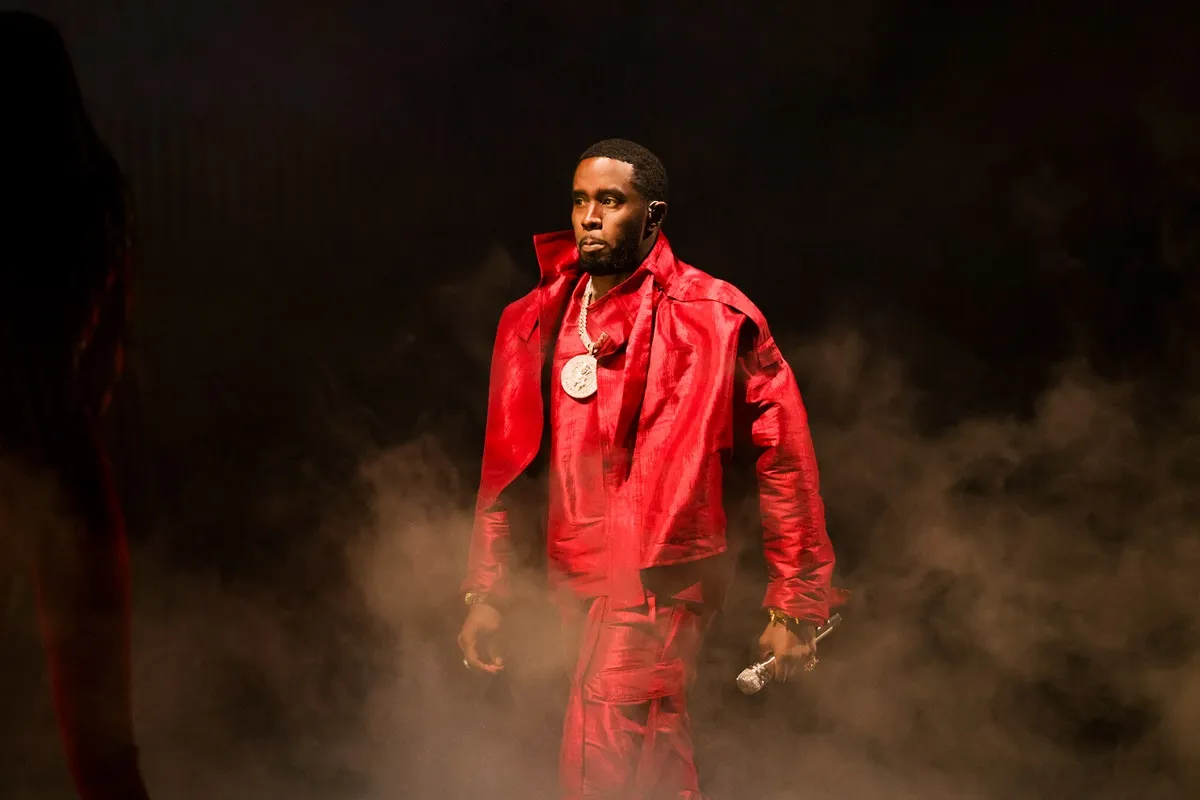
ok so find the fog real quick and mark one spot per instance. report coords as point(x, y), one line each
point(1023, 623)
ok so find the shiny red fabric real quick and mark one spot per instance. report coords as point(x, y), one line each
point(696, 350)
point(627, 732)
point(590, 552)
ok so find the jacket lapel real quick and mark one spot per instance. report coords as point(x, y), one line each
point(662, 265)
point(637, 367)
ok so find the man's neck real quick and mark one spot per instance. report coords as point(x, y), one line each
point(603, 284)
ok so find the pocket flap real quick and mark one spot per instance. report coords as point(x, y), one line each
point(638, 685)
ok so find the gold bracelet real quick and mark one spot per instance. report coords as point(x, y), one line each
point(777, 616)
point(472, 598)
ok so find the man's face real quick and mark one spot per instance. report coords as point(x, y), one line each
point(609, 216)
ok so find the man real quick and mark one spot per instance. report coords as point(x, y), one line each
point(650, 361)
point(64, 276)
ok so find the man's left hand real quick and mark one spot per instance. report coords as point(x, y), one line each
point(792, 647)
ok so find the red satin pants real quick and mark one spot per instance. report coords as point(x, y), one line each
point(627, 735)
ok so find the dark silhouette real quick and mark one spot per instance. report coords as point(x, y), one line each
point(64, 262)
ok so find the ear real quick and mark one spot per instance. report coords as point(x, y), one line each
point(655, 215)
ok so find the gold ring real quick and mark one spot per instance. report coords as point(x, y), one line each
point(466, 663)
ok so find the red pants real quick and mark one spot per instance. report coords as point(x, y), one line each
point(627, 735)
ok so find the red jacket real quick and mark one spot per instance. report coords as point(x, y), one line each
point(700, 350)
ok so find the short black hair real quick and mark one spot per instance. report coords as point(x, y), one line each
point(649, 174)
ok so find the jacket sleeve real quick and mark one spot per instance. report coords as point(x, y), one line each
point(489, 558)
point(488, 562)
point(799, 554)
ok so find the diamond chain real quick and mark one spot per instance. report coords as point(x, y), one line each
point(588, 294)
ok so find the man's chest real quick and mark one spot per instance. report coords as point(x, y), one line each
point(583, 414)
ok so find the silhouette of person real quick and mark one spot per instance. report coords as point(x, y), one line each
point(64, 278)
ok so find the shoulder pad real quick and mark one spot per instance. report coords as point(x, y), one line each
point(694, 285)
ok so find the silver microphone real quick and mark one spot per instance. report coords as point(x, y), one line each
point(756, 676)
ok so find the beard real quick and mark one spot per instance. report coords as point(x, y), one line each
point(621, 257)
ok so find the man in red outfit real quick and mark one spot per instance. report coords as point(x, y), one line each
point(650, 362)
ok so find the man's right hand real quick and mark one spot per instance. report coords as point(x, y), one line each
point(483, 621)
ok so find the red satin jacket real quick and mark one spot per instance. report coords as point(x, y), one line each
point(698, 351)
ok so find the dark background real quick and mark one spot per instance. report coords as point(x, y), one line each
point(334, 203)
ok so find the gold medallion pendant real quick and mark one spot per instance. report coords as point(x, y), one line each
point(579, 374)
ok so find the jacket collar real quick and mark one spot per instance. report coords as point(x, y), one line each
point(559, 263)
point(557, 255)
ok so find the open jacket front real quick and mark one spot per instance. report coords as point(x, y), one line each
point(696, 352)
